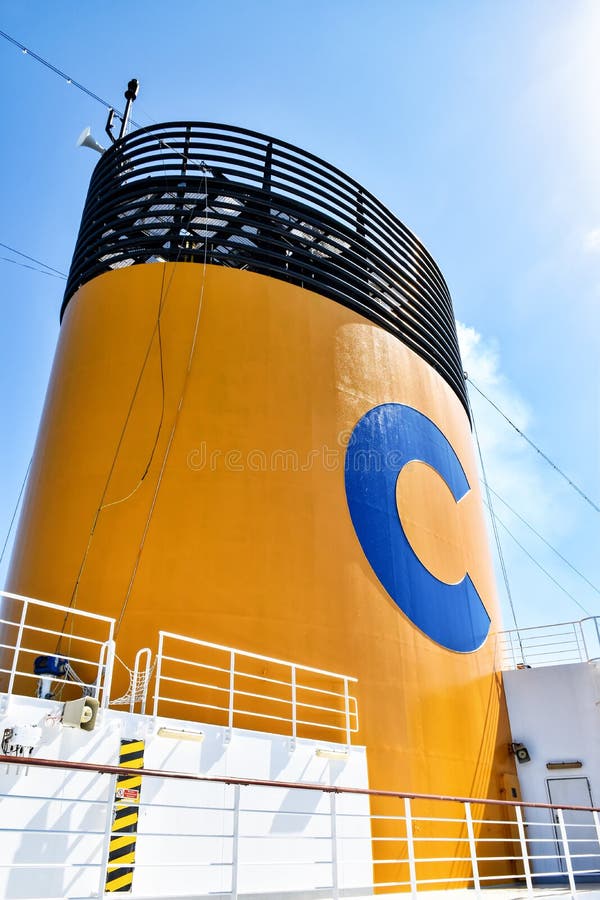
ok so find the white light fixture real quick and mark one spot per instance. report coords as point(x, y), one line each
point(330, 753)
point(181, 734)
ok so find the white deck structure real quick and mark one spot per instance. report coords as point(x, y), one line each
point(305, 824)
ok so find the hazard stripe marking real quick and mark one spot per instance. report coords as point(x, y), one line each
point(125, 822)
point(118, 882)
point(121, 849)
point(122, 841)
point(127, 780)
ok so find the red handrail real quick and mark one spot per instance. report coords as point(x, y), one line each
point(35, 761)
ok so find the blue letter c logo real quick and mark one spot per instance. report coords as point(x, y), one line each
point(382, 443)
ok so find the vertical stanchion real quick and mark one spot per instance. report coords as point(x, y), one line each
point(334, 847)
point(231, 689)
point(586, 654)
point(472, 849)
point(567, 853)
point(18, 642)
point(597, 824)
point(107, 833)
point(294, 712)
point(108, 673)
point(410, 847)
point(347, 712)
point(159, 654)
point(524, 851)
point(235, 846)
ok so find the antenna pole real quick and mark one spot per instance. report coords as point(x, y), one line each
point(130, 95)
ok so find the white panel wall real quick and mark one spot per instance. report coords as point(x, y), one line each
point(53, 824)
point(555, 712)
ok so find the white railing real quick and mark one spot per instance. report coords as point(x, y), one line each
point(551, 645)
point(77, 645)
point(233, 837)
point(236, 688)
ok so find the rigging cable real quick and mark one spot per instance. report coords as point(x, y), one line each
point(90, 93)
point(46, 269)
point(61, 74)
point(539, 565)
point(184, 386)
point(536, 448)
point(494, 527)
point(101, 505)
point(14, 515)
point(157, 330)
point(16, 262)
point(543, 539)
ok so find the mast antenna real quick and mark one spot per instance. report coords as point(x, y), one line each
point(131, 93)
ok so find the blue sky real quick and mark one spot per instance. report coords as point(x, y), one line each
point(475, 122)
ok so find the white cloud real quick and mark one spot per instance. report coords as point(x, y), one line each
point(591, 241)
point(515, 472)
point(500, 443)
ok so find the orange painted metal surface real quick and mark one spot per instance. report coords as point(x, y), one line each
point(240, 511)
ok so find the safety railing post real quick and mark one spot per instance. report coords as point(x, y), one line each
point(235, 846)
point(17, 649)
point(105, 672)
point(410, 846)
point(524, 850)
point(112, 781)
point(159, 655)
point(583, 652)
point(231, 689)
point(567, 853)
point(472, 849)
point(335, 884)
point(597, 632)
point(294, 713)
point(347, 712)
point(597, 825)
point(512, 650)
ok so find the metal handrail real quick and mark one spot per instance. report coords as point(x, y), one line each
point(395, 850)
point(105, 769)
point(341, 719)
point(537, 644)
point(12, 654)
point(209, 193)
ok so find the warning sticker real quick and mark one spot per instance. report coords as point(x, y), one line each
point(127, 794)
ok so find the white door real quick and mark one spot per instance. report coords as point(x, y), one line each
point(582, 835)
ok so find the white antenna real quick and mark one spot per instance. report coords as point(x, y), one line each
point(85, 139)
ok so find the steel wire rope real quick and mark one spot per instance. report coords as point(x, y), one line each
point(190, 360)
point(99, 509)
point(538, 564)
point(28, 52)
point(33, 259)
point(157, 330)
point(14, 515)
point(543, 539)
point(494, 526)
point(536, 448)
point(16, 262)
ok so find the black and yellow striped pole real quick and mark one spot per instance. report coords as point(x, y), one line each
point(121, 851)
